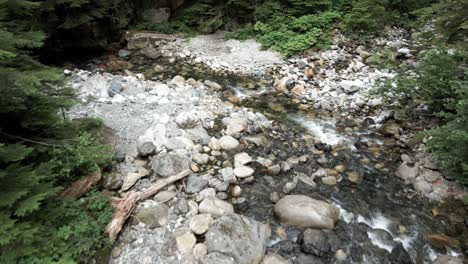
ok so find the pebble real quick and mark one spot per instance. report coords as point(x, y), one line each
point(243, 172)
point(329, 180)
point(236, 191)
point(199, 224)
point(185, 240)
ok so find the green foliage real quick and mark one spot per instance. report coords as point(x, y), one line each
point(440, 83)
point(290, 35)
point(384, 59)
point(40, 153)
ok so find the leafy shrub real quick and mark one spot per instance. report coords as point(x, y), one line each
point(384, 59)
point(289, 35)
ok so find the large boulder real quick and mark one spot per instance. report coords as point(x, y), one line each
point(239, 237)
point(167, 164)
point(303, 211)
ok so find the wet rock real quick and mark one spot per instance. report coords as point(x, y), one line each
point(238, 236)
point(321, 172)
point(152, 214)
point(281, 85)
point(422, 186)
point(314, 242)
point(241, 159)
point(185, 240)
point(323, 147)
point(448, 260)
point(329, 180)
point(272, 258)
point(200, 158)
point(195, 184)
point(309, 180)
point(274, 169)
point(243, 172)
point(355, 177)
point(407, 173)
point(340, 255)
point(303, 211)
point(274, 197)
point(167, 164)
point(215, 207)
point(289, 187)
point(399, 255)
point(442, 241)
point(236, 191)
point(228, 143)
point(218, 258)
point(199, 224)
point(391, 130)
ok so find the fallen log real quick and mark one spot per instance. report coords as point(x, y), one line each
point(82, 186)
point(125, 206)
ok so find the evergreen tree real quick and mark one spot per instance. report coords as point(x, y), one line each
point(40, 153)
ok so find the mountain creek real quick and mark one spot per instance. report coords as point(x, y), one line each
point(291, 161)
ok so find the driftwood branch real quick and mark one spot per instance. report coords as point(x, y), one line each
point(82, 186)
point(125, 206)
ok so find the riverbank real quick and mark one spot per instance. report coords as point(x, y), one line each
point(303, 127)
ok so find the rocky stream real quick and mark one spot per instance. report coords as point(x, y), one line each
point(292, 160)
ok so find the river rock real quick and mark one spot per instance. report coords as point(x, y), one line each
point(215, 207)
point(130, 179)
point(241, 159)
point(407, 173)
point(164, 196)
point(218, 258)
point(399, 255)
point(114, 88)
point(448, 260)
point(213, 85)
point(228, 143)
point(430, 175)
point(303, 211)
point(228, 175)
point(351, 86)
point(178, 81)
point(235, 125)
point(195, 183)
point(272, 258)
point(355, 177)
point(152, 214)
point(329, 180)
point(167, 164)
point(199, 251)
point(145, 147)
point(314, 242)
point(200, 158)
point(185, 240)
point(187, 119)
point(281, 85)
point(238, 236)
point(243, 172)
point(208, 192)
point(298, 90)
point(199, 224)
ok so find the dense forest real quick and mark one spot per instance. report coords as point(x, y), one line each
point(42, 152)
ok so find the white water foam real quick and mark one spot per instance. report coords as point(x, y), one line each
point(346, 216)
point(322, 130)
point(376, 240)
point(378, 221)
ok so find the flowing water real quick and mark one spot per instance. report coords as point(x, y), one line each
point(376, 215)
